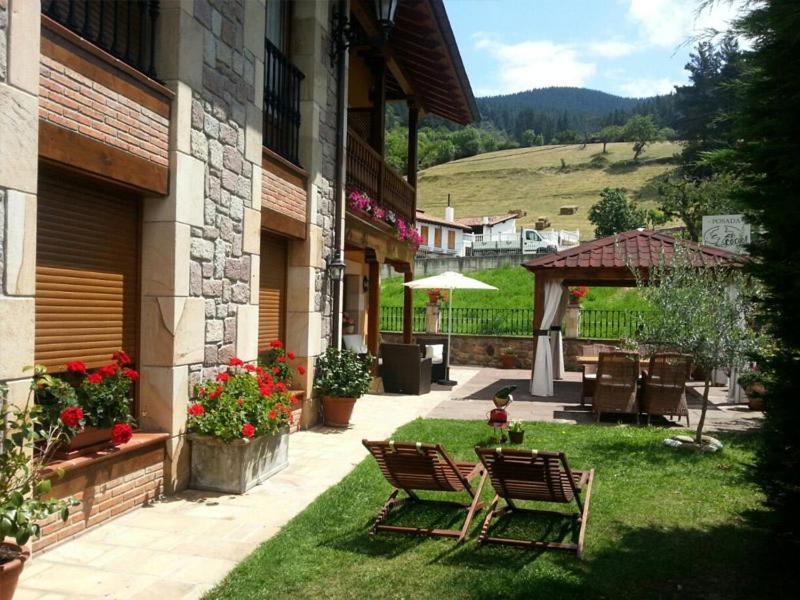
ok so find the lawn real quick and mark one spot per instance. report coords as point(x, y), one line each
point(534, 180)
point(663, 524)
point(515, 285)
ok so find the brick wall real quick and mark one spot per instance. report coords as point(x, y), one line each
point(283, 195)
point(75, 102)
point(107, 486)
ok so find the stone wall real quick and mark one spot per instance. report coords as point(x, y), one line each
point(283, 194)
point(3, 39)
point(427, 267)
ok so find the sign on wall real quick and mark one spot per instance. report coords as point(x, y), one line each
point(729, 232)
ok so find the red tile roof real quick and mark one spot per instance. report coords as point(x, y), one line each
point(426, 218)
point(494, 220)
point(642, 249)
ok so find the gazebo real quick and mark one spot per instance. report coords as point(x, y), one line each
point(605, 262)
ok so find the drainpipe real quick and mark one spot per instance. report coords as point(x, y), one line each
point(339, 176)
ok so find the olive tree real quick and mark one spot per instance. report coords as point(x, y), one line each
point(699, 310)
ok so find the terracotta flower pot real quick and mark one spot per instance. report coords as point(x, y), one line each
point(87, 440)
point(516, 437)
point(11, 570)
point(336, 411)
point(509, 361)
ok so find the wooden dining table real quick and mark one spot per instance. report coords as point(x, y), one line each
point(587, 360)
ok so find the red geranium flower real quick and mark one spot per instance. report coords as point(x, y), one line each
point(250, 368)
point(282, 386)
point(291, 419)
point(76, 367)
point(94, 378)
point(265, 389)
point(276, 344)
point(273, 414)
point(281, 359)
point(301, 369)
point(236, 362)
point(276, 370)
point(201, 391)
point(295, 400)
point(248, 430)
point(131, 374)
point(197, 410)
point(290, 355)
point(223, 377)
point(71, 416)
point(121, 433)
point(108, 370)
point(121, 357)
point(240, 402)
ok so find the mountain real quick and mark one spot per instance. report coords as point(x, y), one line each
point(570, 99)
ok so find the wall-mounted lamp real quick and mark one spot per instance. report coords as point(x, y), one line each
point(365, 284)
point(336, 267)
point(345, 35)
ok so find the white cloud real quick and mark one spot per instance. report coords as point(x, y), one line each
point(669, 23)
point(534, 64)
point(611, 49)
point(641, 88)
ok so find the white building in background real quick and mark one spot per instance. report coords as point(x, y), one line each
point(441, 236)
point(497, 227)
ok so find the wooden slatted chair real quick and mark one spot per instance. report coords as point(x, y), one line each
point(412, 467)
point(615, 388)
point(536, 476)
point(664, 389)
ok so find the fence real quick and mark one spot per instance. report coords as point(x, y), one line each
point(599, 324)
point(281, 103)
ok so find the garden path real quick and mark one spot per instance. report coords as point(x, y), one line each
point(181, 546)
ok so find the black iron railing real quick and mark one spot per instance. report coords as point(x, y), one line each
point(596, 324)
point(124, 28)
point(281, 103)
point(611, 324)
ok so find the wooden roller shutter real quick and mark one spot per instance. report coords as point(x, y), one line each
point(451, 240)
point(87, 273)
point(272, 290)
point(437, 237)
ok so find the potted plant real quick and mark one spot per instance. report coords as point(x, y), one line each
point(24, 484)
point(341, 378)
point(436, 295)
point(753, 382)
point(238, 426)
point(515, 432)
point(508, 357)
point(93, 408)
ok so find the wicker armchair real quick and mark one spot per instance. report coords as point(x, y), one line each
point(403, 369)
point(615, 388)
point(589, 374)
point(438, 368)
point(664, 389)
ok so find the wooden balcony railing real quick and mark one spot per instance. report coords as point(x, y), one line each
point(123, 28)
point(367, 171)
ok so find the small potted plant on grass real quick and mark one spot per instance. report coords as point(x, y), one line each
point(238, 426)
point(342, 377)
point(508, 358)
point(515, 432)
point(93, 408)
point(24, 484)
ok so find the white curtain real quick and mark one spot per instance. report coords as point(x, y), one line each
point(542, 379)
point(557, 338)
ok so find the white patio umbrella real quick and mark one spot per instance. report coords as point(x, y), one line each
point(449, 280)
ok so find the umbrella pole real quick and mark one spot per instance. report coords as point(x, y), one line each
point(447, 380)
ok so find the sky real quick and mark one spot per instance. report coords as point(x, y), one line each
point(631, 48)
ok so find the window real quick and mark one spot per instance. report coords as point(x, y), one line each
point(278, 24)
point(437, 237)
point(424, 234)
point(451, 240)
point(272, 290)
point(87, 272)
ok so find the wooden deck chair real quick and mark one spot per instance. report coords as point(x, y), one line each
point(537, 476)
point(412, 467)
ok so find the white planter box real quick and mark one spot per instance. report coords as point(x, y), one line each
point(236, 467)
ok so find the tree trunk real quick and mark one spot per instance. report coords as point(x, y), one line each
point(699, 436)
point(604, 147)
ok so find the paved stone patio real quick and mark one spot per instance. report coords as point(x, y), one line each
point(181, 546)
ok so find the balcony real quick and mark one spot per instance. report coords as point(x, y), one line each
point(123, 28)
point(281, 104)
point(367, 172)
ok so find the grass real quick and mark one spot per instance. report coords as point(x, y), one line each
point(515, 285)
point(533, 180)
point(663, 524)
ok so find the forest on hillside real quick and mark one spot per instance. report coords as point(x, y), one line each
point(555, 115)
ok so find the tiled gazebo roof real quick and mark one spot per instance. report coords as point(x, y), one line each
point(640, 249)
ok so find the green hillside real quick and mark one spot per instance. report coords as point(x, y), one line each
point(515, 285)
point(534, 180)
